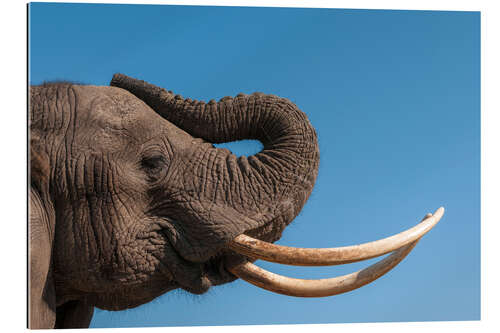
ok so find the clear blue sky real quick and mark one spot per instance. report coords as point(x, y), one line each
point(395, 99)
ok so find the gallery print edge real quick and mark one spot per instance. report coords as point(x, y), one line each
point(129, 199)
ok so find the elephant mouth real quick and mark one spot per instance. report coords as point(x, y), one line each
point(399, 245)
point(197, 277)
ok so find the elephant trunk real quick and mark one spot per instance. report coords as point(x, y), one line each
point(270, 186)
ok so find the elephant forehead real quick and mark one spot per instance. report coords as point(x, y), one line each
point(112, 117)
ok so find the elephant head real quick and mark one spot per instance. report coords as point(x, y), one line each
point(130, 199)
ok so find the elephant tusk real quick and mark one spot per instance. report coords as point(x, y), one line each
point(323, 287)
point(258, 249)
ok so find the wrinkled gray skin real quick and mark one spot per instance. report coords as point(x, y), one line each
point(129, 199)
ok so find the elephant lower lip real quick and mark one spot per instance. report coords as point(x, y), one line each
point(215, 269)
point(211, 273)
point(201, 288)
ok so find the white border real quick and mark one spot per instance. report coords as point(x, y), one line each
point(13, 166)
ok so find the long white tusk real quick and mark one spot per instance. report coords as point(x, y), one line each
point(257, 249)
point(318, 288)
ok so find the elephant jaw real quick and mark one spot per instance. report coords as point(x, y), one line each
point(400, 245)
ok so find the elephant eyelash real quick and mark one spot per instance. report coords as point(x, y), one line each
point(155, 167)
point(153, 162)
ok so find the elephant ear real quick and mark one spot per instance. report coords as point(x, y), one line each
point(42, 301)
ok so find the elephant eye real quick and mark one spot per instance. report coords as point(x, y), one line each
point(155, 166)
point(153, 162)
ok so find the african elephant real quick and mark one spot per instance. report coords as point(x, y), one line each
point(130, 199)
